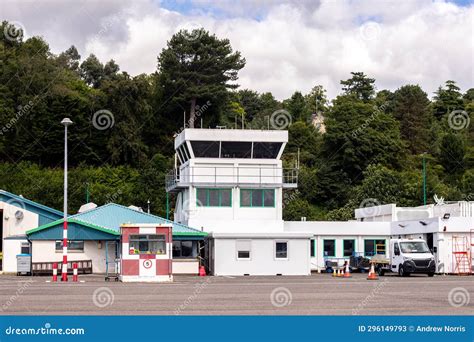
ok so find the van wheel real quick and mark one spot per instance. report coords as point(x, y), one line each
point(431, 274)
point(401, 271)
point(380, 271)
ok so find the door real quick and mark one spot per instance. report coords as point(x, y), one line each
point(397, 257)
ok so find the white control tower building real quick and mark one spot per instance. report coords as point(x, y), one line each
point(230, 180)
point(230, 183)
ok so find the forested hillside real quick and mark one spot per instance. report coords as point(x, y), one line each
point(368, 150)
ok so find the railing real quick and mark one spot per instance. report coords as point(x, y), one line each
point(83, 266)
point(228, 175)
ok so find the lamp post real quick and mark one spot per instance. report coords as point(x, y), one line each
point(65, 122)
point(424, 179)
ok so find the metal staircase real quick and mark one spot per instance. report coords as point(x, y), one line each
point(462, 255)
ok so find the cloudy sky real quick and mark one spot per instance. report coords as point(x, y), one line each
point(289, 45)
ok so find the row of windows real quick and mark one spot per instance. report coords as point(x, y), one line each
point(235, 149)
point(244, 250)
point(252, 198)
point(371, 247)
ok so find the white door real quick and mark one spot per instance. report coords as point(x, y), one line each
point(396, 256)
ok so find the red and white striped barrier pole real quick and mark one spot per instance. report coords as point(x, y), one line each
point(74, 270)
point(55, 272)
point(64, 268)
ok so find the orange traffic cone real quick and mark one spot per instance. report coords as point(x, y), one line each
point(347, 274)
point(372, 274)
point(202, 271)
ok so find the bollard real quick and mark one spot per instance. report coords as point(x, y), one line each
point(74, 272)
point(55, 272)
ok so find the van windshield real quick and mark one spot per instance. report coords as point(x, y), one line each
point(414, 247)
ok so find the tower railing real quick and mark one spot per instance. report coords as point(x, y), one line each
point(215, 176)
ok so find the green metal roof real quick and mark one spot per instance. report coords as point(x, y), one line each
point(108, 219)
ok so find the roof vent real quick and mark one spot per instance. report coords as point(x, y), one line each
point(135, 208)
point(87, 207)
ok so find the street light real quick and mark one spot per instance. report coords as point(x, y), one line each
point(424, 179)
point(65, 122)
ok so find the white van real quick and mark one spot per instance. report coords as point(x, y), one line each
point(407, 256)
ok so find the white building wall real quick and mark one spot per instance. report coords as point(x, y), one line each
point(185, 266)
point(45, 251)
point(11, 225)
point(11, 248)
point(235, 218)
point(262, 260)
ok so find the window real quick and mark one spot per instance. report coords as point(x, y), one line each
point(236, 149)
point(396, 249)
point(257, 198)
point(329, 248)
point(205, 149)
point(414, 247)
point(372, 247)
point(266, 150)
point(147, 244)
point(243, 249)
point(72, 246)
point(213, 197)
point(349, 248)
point(312, 248)
point(184, 249)
point(25, 248)
point(281, 250)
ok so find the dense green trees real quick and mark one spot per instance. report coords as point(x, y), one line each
point(369, 149)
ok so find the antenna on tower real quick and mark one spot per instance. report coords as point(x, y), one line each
point(184, 119)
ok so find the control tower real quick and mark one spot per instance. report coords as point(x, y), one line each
point(230, 180)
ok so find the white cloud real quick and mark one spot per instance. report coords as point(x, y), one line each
point(288, 45)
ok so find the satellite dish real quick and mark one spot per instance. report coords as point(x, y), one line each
point(87, 207)
point(19, 215)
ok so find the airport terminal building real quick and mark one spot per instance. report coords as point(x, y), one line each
point(229, 186)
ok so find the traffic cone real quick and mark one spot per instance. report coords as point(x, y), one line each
point(342, 272)
point(55, 272)
point(347, 274)
point(334, 272)
point(372, 274)
point(202, 271)
point(339, 272)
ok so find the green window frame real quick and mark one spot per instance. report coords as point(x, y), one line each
point(257, 198)
point(344, 248)
point(312, 248)
point(334, 247)
point(375, 242)
point(213, 197)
